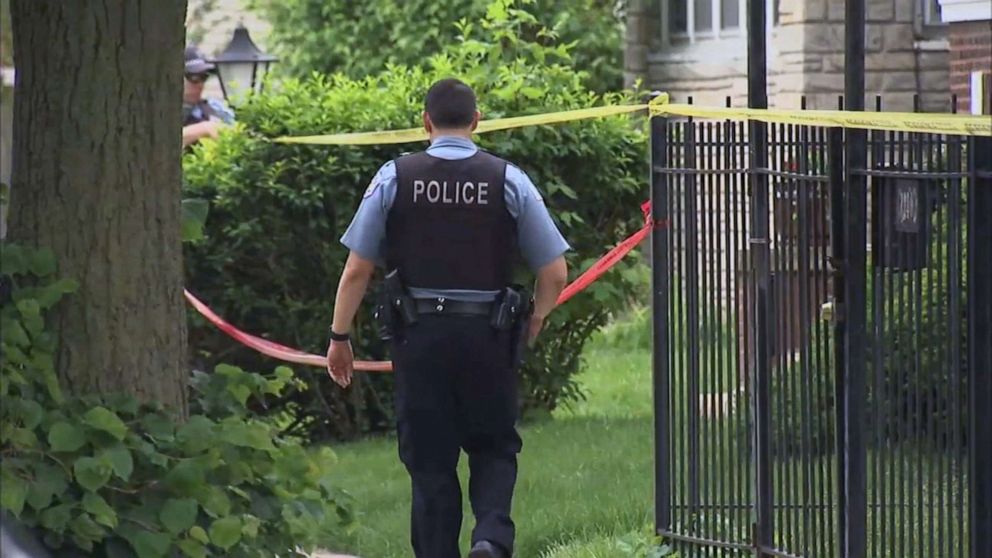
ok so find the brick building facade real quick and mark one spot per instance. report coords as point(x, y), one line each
point(970, 33)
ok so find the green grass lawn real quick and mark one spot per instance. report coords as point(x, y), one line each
point(585, 481)
point(585, 486)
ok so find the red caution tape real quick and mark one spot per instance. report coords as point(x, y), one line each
point(609, 260)
point(288, 354)
point(275, 350)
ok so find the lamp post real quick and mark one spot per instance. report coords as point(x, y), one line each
point(242, 65)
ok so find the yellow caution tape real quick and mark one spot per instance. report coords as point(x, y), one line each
point(418, 134)
point(928, 123)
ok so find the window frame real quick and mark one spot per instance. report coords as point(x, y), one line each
point(930, 15)
point(716, 32)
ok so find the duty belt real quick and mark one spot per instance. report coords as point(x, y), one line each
point(442, 305)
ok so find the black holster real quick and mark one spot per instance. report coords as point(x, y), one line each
point(394, 307)
point(511, 312)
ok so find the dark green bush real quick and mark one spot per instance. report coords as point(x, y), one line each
point(109, 477)
point(362, 38)
point(271, 260)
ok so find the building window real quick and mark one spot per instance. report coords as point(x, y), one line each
point(931, 12)
point(690, 21)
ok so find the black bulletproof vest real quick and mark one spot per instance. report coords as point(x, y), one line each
point(449, 227)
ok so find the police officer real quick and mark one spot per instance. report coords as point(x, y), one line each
point(451, 220)
point(202, 116)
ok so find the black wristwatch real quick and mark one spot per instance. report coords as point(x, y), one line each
point(340, 336)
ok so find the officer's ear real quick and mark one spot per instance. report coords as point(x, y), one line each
point(475, 121)
point(428, 125)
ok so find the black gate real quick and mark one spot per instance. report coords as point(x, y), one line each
point(822, 368)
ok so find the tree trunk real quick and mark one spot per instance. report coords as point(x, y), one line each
point(96, 178)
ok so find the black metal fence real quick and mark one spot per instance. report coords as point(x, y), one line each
point(822, 374)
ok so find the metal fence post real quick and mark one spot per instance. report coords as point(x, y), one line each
point(855, 305)
point(757, 93)
point(660, 288)
point(980, 346)
point(835, 172)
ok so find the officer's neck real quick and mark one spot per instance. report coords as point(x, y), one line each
point(464, 133)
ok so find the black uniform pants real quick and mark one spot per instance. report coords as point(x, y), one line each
point(456, 388)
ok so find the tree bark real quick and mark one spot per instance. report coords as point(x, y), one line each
point(97, 178)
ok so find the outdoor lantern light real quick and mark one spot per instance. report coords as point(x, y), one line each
point(242, 66)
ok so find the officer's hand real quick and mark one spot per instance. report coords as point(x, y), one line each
point(535, 327)
point(340, 362)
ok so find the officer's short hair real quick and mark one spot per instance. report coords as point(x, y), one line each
point(450, 104)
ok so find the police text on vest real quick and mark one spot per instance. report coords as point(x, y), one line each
point(446, 193)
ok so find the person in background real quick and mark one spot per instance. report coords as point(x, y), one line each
point(202, 117)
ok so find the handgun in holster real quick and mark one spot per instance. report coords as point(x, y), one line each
point(511, 312)
point(394, 307)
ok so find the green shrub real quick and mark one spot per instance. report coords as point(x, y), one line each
point(362, 38)
point(109, 477)
point(270, 260)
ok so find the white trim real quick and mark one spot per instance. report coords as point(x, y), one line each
point(722, 50)
point(965, 10)
point(933, 45)
point(6, 76)
point(977, 95)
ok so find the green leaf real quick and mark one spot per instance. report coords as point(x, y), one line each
point(30, 413)
point(532, 92)
point(13, 260)
point(85, 528)
point(56, 518)
point(22, 438)
point(106, 420)
point(147, 544)
point(197, 533)
point(240, 392)
point(51, 294)
point(178, 515)
point(216, 503)
point(197, 434)
point(14, 334)
point(120, 460)
point(31, 315)
point(250, 528)
point(92, 473)
point(251, 435)
point(13, 492)
point(101, 511)
point(158, 425)
point(65, 437)
point(186, 478)
point(51, 475)
point(42, 262)
point(40, 495)
point(194, 218)
point(225, 532)
point(192, 548)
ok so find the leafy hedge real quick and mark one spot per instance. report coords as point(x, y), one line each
point(362, 38)
point(109, 477)
point(270, 260)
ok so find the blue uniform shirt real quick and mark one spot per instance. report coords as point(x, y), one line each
point(539, 239)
